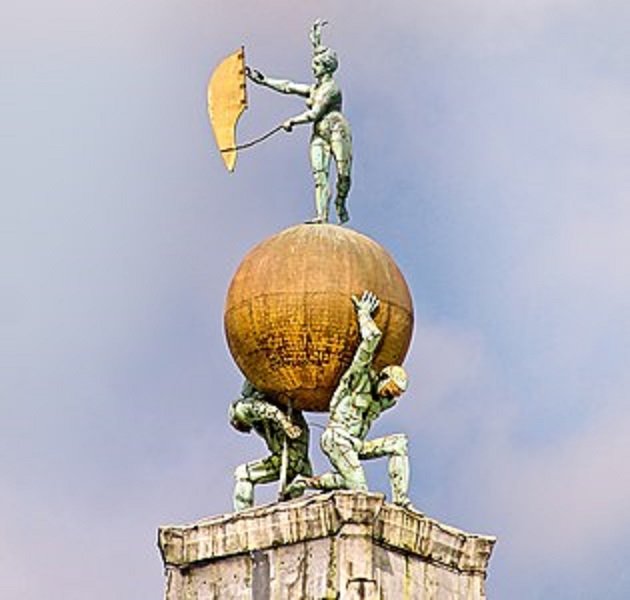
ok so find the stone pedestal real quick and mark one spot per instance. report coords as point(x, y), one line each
point(340, 544)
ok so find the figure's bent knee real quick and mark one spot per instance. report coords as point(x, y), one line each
point(344, 168)
point(401, 444)
point(241, 473)
point(356, 483)
point(326, 442)
point(321, 178)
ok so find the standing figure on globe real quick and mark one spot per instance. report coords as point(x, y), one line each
point(253, 411)
point(331, 136)
point(361, 396)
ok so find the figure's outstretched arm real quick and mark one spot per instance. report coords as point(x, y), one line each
point(284, 86)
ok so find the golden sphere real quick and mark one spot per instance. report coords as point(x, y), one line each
point(289, 318)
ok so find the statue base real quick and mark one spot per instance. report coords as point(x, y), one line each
point(340, 544)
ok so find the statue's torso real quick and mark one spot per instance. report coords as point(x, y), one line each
point(353, 406)
point(328, 94)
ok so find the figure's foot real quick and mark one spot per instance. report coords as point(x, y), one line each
point(316, 221)
point(406, 504)
point(342, 215)
point(296, 488)
point(239, 506)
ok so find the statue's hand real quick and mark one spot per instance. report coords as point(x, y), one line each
point(293, 431)
point(254, 75)
point(288, 125)
point(367, 303)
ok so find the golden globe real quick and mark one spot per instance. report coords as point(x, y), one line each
point(289, 319)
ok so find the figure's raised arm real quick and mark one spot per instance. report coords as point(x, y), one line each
point(371, 335)
point(284, 86)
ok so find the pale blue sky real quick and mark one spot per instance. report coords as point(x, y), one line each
point(492, 144)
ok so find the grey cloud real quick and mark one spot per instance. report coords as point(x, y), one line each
point(488, 160)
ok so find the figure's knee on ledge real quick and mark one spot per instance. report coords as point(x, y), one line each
point(400, 445)
point(321, 178)
point(358, 485)
point(241, 473)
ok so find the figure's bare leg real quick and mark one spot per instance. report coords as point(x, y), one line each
point(320, 164)
point(299, 476)
point(348, 473)
point(395, 447)
point(327, 481)
point(250, 474)
point(341, 146)
point(243, 496)
point(340, 450)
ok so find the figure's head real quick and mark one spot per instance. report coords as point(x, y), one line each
point(238, 418)
point(392, 382)
point(324, 61)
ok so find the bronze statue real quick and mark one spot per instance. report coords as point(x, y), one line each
point(331, 136)
point(361, 396)
point(253, 411)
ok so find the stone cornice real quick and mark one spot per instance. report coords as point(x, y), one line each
point(325, 515)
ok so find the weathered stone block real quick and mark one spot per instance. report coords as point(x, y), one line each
point(340, 544)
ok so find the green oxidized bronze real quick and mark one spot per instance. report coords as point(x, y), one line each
point(361, 396)
point(331, 138)
point(290, 322)
point(285, 438)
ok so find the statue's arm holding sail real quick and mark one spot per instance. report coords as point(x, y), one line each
point(370, 334)
point(284, 86)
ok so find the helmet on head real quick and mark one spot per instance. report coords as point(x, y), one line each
point(396, 374)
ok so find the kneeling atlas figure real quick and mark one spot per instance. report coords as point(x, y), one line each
point(361, 396)
point(253, 411)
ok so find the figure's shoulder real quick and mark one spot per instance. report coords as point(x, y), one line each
point(327, 88)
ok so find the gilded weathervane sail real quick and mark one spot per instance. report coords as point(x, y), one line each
point(227, 99)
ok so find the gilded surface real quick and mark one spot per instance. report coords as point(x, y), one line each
point(226, 102)
point(289, 323)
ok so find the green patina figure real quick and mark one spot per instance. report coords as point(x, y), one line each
point(361, 396)
point(253, 411)
point(331, 136)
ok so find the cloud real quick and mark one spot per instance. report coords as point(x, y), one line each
point(490, 152)
point(559, 510)
point(576, 492)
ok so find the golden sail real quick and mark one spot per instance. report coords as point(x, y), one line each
point(227, 99)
